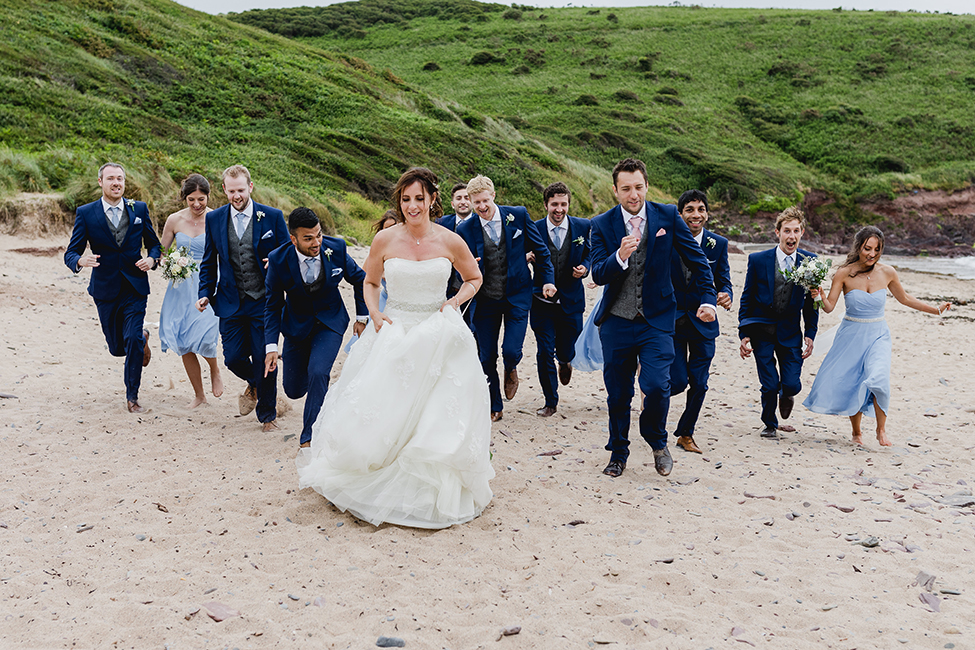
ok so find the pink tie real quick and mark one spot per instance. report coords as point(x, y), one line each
point(635, 227)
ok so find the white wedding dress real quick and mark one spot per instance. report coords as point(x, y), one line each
point(404, 434)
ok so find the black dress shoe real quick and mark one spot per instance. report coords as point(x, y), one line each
point(770, 432)
point(786, 402)
point(565, 373)
point(663, 461)
point(545, 411)
point(615, 468)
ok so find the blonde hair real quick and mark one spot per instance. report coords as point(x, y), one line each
point(792, 213)
point(479, 184)
point(234, 171)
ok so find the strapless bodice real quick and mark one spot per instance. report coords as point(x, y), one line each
point(193, 244)
point(861, 305)
point(417, 287)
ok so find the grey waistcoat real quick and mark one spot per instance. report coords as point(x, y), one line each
point(629, 301)
point(247, 272)
point(495, 268)
point(319, 282)
point(560, 257)
point(782, 292)
point(123, 225)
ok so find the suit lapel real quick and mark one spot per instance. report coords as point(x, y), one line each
point(257, 234)
point(653, 220)
point(773, 268)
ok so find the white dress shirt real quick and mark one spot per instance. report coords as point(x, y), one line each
point(780, 258)
point(106, 206)
point(495, 219)
point(563, 229)
point(248, 213)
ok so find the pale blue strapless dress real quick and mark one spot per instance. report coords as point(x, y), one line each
point(589, 349)
point(181, 327)
point(855, 374)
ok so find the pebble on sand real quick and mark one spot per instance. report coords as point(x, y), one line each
point(390, 642)
point(219, 611)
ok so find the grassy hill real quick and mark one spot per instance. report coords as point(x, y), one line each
point(756, 106)
point(167, 91)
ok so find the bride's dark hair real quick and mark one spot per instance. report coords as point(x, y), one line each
point(859, 240)
point(428, 180)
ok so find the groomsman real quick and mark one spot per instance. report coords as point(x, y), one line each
point(500, 238)
point(694, 338)
point(557, 321)
point(239, 238)
point(632, 247)
point(117, 230)
point(303, 303)
point(461, 202)
point(768, 320)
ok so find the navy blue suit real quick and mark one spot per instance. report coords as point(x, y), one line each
point(647, 338)
point(693, 338)
point(118, 286)
point(775, 336)
point(449, 221)
point(557, 322)
point(312, 323)
point(242, 320)
point(520, 237)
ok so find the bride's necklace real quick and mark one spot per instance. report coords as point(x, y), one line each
point(415, 238)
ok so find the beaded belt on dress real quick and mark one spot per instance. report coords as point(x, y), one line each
point(863, 320)
point(409, 306)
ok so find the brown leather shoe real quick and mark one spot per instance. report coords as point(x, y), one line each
point(546, 411)
point(146, 352)
point(495, 416)
point(247, 401)
point(687, 444)
point(565, 373)
point(510, 383)
point(615, 468)
point(135, 407)
point(268, 427)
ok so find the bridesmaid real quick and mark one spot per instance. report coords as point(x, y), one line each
point(854, 378)
point(181, 327)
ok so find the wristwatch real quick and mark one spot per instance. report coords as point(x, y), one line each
point(362, 319)
point(155, 264)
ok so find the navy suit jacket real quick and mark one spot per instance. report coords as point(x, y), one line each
point(687, 298)
point(572, 293)
point(520, 236)
point(449, 221)
point(217, 281)
point(291, 309)
point(667, 234)
point(755, 306)
point(114, 262)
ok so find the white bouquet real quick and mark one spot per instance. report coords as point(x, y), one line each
point(177, 264)
point(810, 274)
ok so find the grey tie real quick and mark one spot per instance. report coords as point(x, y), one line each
point(789, 264)
point(240, 224)
point(116, 215)
point(557, 237)
point(494, 232)
point(310, 270)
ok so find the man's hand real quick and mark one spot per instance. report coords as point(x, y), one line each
point(202, 303)
point(745, 350)
point(145, 264)
point(358, 328)
point(265, 263)
point(270, 363)
point(809, 347)
point(579, 271)
point(627, 245)
point(724, 300)
point(549, 290)
point(88, 260)
point(706, 314)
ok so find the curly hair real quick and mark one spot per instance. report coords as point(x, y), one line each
point(430, 184)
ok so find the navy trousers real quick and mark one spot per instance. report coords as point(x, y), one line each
point(123, 321)
point(488, 317)
point(555, 338)
point(782, 381)
point(243, 353)
point(626, 342)
point(692, 367)
point(306, 369)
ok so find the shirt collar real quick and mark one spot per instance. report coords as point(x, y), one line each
point(780, 256)
point(106, 205)
point(700, 237)
point(552, 226)
point(627, 216)
point(496, 217)
point(302, 257)
point(248, 209)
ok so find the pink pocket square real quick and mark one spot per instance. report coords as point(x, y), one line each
point(661, 232)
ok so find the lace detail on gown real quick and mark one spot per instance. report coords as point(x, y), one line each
point(403, 436)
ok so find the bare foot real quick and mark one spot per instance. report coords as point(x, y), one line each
point(882, 439)
point(197, 401)
point(216, 383)
point(270, 426)
point(857, 439)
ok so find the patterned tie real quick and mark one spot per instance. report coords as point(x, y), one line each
point(116, 215)
point(494, 231)
point(789, 264)
point(240, 224)
point(557, 237)
point(636, 227)
point(310, 270)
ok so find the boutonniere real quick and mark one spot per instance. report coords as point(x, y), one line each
point(509, 218)
point(259, 214)
point(579, 241)
point(130, 203)
point(711, 243)
point(328, 253)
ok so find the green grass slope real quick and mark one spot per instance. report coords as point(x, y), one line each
point(756, 106)
point(168, 91)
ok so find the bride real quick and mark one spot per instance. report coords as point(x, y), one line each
point(403, 437)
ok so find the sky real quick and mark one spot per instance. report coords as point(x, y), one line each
point(943, 6)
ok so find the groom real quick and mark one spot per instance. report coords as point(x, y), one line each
point(632, 247)
point(239, 238)
point(768, 320)
point(304, 303)
point(117, 231)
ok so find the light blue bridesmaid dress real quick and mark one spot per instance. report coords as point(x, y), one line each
point(181, 327)
point(855, 375)
point(589, 349)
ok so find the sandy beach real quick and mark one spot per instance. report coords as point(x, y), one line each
point(126, 531)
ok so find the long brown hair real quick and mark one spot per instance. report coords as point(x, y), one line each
point(861, 238)
point(428, 180)
point(387, 216)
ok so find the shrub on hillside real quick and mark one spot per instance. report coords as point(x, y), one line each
point(485, 58)
point(511, 14)
point(627, 96)
point(667, 99)
point(431, 66)
point(586, 100)
point(521, 69)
